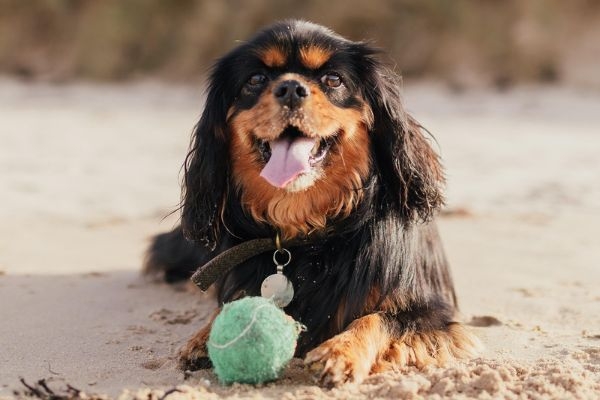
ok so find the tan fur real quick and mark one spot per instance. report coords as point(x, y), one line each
point(373, 303)
point(437, 347)
point(313, 57)
point(335, 193)
point(390, 304)
point(273, 57)
point(195, 349)
point(366, 346)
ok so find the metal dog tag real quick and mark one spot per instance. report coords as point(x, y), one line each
point(278, 287)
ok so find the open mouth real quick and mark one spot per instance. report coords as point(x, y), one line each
point(292, 155)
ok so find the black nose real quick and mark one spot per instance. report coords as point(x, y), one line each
point(291, 93)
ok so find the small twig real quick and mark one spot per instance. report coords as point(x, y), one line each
point(42, 383)
point(33, 390)
point(50, 369)
point(42, 391)
point(168, 392)
point(75, 390)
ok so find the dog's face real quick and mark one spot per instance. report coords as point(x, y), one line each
point(297, 121)
point(298, 128)
point(294, 116)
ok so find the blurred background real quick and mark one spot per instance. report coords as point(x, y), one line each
point(499, 43)
point(98, 99)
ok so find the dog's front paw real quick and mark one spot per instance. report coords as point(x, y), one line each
point(338, 360)
point(193, 356)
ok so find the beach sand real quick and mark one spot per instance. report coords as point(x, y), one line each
point(89, 173)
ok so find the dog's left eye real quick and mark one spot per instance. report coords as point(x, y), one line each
point(331, 80)
point(257, 80)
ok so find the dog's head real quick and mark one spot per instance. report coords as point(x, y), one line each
point(298, 122)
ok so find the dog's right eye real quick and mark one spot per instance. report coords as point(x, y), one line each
point(257, 80)
point(331, 80)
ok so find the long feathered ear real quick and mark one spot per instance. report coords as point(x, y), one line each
point(409, 170)
point(206, 168)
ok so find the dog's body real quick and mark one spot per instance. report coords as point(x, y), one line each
point(304, 137)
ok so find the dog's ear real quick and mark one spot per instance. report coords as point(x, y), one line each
point(410, 174)
point(206, 167)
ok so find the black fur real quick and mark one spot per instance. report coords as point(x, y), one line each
point(388, 245)
point(172, 257)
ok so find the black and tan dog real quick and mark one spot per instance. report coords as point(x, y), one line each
point(304, 137)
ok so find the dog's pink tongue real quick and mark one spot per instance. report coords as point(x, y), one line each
point(289, 158)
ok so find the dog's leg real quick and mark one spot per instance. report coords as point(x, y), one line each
point(379, 342)
point(194, 355)
point(435, 347)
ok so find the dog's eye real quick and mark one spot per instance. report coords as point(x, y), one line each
point(331, 80)
point(257, 80)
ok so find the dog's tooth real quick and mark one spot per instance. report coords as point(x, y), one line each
point(316, 147)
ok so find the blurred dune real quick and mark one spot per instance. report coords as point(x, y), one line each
point(463, 42)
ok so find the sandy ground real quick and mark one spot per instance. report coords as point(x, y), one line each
point(88, 172)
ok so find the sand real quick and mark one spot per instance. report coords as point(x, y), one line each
point(87, 174)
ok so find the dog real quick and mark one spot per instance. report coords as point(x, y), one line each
point(304, 141)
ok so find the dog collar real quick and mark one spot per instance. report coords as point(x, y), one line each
point(221, 264)
point(224, 262)
point(208, 273)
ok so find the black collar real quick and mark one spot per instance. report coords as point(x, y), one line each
point(208, 273)
point(225, 261)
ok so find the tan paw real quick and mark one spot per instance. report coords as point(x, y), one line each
point(194, 356)
point(338, 361)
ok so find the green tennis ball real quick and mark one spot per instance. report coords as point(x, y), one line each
point(251, 341)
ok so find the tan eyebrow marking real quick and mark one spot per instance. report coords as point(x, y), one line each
point(314, 57)
point(273, 57)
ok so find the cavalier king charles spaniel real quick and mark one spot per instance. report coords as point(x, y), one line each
point(304, 141)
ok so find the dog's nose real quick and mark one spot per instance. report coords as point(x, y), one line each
point(291, 93)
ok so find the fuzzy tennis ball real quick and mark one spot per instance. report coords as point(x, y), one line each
point(251, 341)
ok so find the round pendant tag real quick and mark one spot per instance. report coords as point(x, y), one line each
point(278, 288)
